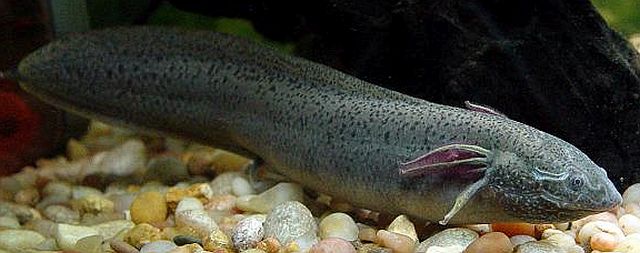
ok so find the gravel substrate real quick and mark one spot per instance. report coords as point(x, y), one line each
point(117, 191)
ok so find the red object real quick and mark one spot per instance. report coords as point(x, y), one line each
point(19, 126)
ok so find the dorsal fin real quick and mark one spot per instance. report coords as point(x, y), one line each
point(483, 108)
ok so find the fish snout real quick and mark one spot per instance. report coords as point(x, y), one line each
point(610, 197)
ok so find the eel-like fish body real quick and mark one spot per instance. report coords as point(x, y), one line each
point(326, 130)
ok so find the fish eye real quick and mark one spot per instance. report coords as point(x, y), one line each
point(576, 183)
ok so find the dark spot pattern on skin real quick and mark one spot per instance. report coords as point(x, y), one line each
point(322, 128)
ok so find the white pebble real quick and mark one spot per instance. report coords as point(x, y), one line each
point(629, 223)
point(559, 238)
point(449, 237)
point(448, 249)
point(265, 201)
point(631, 195)
point(591, 228)
point(240, 187)
point(189, 203)
point(521, 239)
point(402, 225)
point(338, 225)
point(67, 235)
point(223, 183)
point(197, 221)
point(124, 160)
point(248, 232)
point(160, 246)
point(630, 244)
point(291, 221)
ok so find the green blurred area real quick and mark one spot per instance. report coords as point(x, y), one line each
point(168, 15)
point(622, 15)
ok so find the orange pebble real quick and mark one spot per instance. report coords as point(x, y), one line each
point(511, 229)
point(603, 241)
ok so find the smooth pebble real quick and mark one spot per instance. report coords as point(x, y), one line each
point(448, 249)
point(449, 237)
point(122, 247)
point(148, 207)
point(67, 235)
point(18, 240)
point(160, 246)
point(332, 245)
point(520, 239)
point(493, 242)
point(61, 214)
point(110, 229)
point(124, 160)
point(290, 221)
point(629, 224)
point(89, 244)
point(186, 239)
point(402, 225)
point(559, 238)
point(274, 196)
point(189, 203)
point(9, 222)
point(631, 195)
point(604, 241)
point(339, 225)
point(197, 222)
point(594, 227)
point(223, 183)
point(630, 244)
point(399, 243)
point(241, 186)
point(539, 247)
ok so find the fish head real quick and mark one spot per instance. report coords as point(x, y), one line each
point(550, 180)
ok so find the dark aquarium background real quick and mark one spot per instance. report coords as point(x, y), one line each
point(565, 67)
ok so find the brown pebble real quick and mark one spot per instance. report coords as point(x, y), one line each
point(148, 207)
point(122, 247)
point(494, 242)
point(270, 245)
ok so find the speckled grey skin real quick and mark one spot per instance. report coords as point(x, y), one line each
point(323, 129)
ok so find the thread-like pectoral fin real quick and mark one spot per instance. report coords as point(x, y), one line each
point(483, 108)
point(456, 158)
point(261, 177)
point(463, 198)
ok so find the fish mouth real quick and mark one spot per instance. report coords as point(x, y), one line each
point(607, 205)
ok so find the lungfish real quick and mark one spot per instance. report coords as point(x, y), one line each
point(326, 130)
